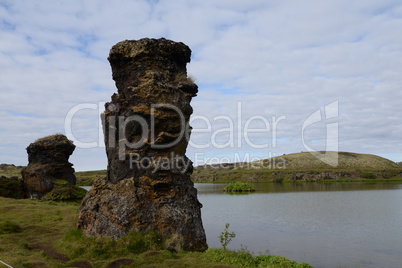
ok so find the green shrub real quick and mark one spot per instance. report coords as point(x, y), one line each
point(65, 192)
point(226, 237)
point(138, 242)
point(239, 187)
point(8, 227)
point(368, 175)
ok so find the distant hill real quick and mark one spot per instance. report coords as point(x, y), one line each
point(346, 160)
point(291, 167)
point(84, 178)
point(303, 166)
point(10, 170)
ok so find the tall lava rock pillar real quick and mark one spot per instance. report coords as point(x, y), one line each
point(148, 186)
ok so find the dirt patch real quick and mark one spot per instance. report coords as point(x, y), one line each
point(46, 246)
point(36, 265)
point(49, 251)
point(38, 230)
point(118, 263)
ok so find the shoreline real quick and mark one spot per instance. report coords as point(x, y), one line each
point(44, 233)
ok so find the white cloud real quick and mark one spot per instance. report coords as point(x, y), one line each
point(277, 57)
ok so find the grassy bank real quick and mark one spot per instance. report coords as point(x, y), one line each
point(311, 175)
point(42, 234)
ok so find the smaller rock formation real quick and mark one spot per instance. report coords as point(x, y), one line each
point(49, 175)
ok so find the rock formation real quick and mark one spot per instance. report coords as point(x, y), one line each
point(49, 172)
point(148, 186)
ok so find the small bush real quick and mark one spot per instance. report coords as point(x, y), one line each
point(73, 235)
point(226, 237)
point(140, 242)
point(368, 175)
point(8, 227)
point(239, 187)
point(65, 192)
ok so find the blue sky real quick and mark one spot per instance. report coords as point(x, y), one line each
point(276, 58)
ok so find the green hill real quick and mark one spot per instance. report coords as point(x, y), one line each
point(345, 160)
point(304, 167)
point(84, 178)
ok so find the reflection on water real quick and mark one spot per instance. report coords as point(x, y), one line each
point(324, 224)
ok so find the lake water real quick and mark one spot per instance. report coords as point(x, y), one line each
point(323, 224)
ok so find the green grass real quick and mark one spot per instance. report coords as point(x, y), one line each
point(62, 191)
point(245, 259)
point(86, 178)
point(42, 234)
point(8, 227)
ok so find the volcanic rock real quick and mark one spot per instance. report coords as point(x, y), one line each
point(148, 186)
point(49, 175)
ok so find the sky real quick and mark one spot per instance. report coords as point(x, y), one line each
point(274, 77)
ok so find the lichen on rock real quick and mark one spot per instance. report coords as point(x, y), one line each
point(148, 186)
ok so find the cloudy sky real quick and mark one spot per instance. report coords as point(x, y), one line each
point(297, 72)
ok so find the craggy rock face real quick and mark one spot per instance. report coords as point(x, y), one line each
point(148, 187)
point(48, 164)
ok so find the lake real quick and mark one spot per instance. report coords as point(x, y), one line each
point(323, 224)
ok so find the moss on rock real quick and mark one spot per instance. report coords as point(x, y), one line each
point(65, 192)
